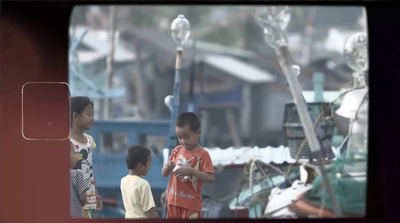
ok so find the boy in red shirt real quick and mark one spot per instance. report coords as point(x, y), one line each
point(191, 166)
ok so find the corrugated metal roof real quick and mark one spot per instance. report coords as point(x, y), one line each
point(217, 48)
point(240, 156)
point(163, 41)
point(328, 96)
point(239, 69)
point(97, 40)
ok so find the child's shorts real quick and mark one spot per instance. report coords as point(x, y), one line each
point(183, 213)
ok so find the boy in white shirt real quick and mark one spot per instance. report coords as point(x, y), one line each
point(136, 193)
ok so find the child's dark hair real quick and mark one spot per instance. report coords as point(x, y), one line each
point(137, 154)
point(78, 104)
point(188, 118)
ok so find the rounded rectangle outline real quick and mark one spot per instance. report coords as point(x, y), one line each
point(22, 111)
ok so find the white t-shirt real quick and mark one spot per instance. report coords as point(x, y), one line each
point(136, 196)
point(84, 153)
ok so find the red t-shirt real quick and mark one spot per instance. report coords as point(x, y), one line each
point(187, 194)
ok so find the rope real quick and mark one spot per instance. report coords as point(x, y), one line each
point(352, 123)
point(303, 143)
point(315, 124)
point(323, 201)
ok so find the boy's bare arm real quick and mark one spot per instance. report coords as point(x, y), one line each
point(99, 203)
point(165, 171)
point(151, 213)
point(167, 168)
point(206, 177)
point(83, 198)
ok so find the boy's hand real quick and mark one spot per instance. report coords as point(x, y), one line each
point(168, 167)
point(183, 171)
point(170, 164)
point(99, 204)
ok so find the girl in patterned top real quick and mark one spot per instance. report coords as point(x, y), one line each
point(82, 119)
point(78, 187)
